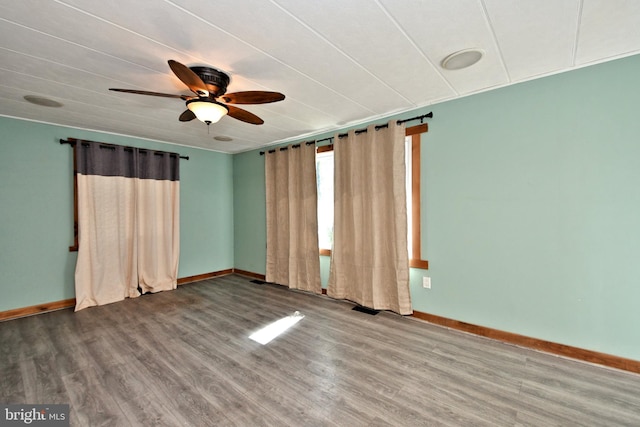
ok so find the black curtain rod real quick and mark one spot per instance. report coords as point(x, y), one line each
point(105, 145)
point(429, 115)
point(285, 148)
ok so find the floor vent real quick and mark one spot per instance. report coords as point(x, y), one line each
point(259, 282)
point(367, 310)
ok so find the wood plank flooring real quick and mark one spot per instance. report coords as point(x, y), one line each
point(184, 358)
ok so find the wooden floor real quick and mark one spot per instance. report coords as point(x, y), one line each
point(184, 358)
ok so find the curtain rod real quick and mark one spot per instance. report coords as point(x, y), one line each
point(285, 148)
point(429, 115)
point(73, 142)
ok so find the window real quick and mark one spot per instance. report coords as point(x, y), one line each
point(324, 172)
point(413, 139)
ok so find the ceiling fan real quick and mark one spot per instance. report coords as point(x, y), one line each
point(210, 87)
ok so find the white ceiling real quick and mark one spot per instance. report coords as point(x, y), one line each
point(339, 62)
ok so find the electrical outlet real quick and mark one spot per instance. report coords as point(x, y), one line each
point(426, 282)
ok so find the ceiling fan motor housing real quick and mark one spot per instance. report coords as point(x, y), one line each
point(216, 80)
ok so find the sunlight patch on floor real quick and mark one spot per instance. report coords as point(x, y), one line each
point(273, 330)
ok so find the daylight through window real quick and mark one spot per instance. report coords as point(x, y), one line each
point(324, 172)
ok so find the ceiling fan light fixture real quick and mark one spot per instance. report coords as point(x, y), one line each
point(462, 59)
point(207, 111)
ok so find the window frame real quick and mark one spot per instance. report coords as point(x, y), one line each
point(415, 257)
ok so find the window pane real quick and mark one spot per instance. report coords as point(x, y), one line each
point(407, 157)
point(324, 172)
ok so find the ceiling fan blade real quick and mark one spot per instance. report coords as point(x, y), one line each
point(252, 97)
point(187, 116)
point(144, 92)
point(189, 78)
point(244, 115)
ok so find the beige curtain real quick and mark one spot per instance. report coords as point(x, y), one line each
point(370, 262)
point(158, 226)
point(292, 222)
point(128, 222)
point(107, 265)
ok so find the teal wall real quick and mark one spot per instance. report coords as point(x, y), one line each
point(530, 205)
point(36, 210)
point(249, 201)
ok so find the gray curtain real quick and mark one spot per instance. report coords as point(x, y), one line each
point(128, 222)
point(292, 222)
point(369, 260)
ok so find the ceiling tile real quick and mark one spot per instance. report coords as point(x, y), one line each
point(441, 27)
point(393, 58)
point(534, 37)
point(608, 29)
